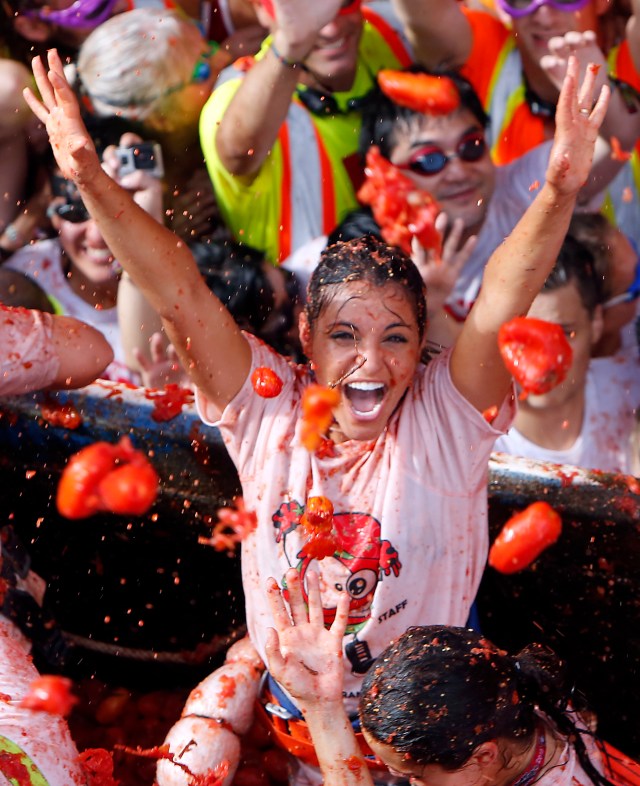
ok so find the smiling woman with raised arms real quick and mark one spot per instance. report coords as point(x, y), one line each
point(404, 462)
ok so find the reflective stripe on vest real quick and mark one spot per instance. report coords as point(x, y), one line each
point(307, 183)
point(17, 766)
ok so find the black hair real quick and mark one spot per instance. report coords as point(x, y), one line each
point(576, 264)
point(355, 224)
point(234, 273)
point(367, 259)
point(380, 114)
point(438, 692)
point(594, 231)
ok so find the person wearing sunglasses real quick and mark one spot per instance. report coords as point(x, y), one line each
point(516, 62)
point(280, 132)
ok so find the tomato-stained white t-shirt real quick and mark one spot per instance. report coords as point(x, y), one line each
point(410, 508)
point(28, 360)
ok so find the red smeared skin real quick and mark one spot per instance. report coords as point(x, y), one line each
point(535, 352)
point(213, 777)
point(524, 537)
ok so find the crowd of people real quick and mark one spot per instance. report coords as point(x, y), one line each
point(180, 203)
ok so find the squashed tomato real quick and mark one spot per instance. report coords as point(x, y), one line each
point(63, 415)
point(266, 382)
point(426, 93)
point(535, 352)
point(103, 476)
point(234, 525)
point(320, 544)
point(318, 513)
point(524, 537)
point(318, 403)
point(50, 693)
point(401, 210)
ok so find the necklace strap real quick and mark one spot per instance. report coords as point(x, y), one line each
point(535, 765)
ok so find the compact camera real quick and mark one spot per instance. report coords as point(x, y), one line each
point(144, 155)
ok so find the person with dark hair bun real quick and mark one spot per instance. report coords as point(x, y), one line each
point(441, 705)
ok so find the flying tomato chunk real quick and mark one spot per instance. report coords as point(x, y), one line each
point(401, 210)
point(524, 537)
point(426, 93)
point(318, 403)
point(50, 693)
point(535, 352)
point(106, 477)
point(266, 382)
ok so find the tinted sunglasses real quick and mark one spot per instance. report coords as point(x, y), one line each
point(75, 212)
point(518, 8)
point(82, 14)
point(431, 159)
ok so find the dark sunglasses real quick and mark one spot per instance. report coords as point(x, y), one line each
point(431, 159)
point(75, 212)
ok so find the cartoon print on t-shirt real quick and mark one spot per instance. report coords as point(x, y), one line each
point(357, 565)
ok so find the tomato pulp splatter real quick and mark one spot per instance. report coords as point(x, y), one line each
point(168, 402)
point(535, 352)
point(62, 415)
point(524, 537)
point(402, 210)
point(234, 525)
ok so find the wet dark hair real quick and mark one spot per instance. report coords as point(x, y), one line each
point(234, 273)
point(380, 114)
point(594, 231)
point(365, 259)
point(576, 264)
point(438, 692)
point(358, 223)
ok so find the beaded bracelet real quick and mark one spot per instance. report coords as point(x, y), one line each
point(284, 61)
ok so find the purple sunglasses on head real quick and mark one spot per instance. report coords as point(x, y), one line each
point(519, 8)
point(82, 13)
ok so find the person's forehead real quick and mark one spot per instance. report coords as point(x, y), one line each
point(352, 300)
point(443, 128)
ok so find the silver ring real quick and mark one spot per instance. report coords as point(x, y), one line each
point(585, 111)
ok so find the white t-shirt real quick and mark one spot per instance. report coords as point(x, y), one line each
point(27, 357)
point(612, 396)
point(410, 508)
point(44, 737)
point(42, 262)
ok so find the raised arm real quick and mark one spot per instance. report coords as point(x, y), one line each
point(250, 125)
point(438, 31)
point(306, 659)
point(209, 343)
point(519, 267)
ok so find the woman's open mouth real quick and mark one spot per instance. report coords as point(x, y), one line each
point(365, 398)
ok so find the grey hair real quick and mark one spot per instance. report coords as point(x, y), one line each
point(132, 61)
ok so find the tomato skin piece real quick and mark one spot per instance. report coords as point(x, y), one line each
point(50, 693)
point(524, 537)
point(426, 93)
point(536, 353)
point(130, 489)
point(266, 382)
